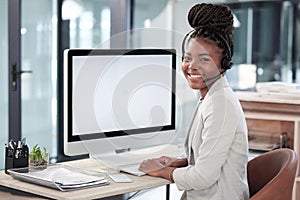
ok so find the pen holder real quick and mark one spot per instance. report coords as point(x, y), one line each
point(16, 158)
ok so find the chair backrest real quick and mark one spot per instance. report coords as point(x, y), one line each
point(271, 175)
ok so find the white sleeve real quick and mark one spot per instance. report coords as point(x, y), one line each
point(220, 121)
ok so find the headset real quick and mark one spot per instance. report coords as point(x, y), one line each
point(226, 62)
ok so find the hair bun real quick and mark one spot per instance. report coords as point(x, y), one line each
point(216, 17)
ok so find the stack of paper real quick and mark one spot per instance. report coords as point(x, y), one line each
point(67, 179)
point(62, 177)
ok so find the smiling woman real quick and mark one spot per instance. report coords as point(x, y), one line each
point(216, 142)
point(201, 65)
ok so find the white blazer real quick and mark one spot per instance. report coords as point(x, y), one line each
point(216, 148)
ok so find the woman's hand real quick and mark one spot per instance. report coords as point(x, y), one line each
point(153, 167)
point(166, 161)
point(162, 166)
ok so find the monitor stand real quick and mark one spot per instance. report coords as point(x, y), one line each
point(128, 156)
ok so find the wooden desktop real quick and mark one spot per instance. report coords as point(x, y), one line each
point(111, 190)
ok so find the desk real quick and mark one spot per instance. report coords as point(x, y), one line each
point(139, 183)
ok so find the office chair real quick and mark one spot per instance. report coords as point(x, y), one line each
point(271, 175)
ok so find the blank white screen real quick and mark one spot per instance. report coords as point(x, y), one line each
point(126, 92)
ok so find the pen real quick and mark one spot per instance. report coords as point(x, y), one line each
point(24, 142)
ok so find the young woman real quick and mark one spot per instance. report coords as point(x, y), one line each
point(216, 143)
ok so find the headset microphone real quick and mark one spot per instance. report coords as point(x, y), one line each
point(211, 78)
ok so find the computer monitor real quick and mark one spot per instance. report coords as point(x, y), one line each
point(118, 99)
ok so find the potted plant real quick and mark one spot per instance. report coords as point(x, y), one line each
point(38, 157)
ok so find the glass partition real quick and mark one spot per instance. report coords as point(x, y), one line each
point(297, 44)
point(263, 43)
point(152, 24)
point(38, 37)
point(3, 78)
point(86, 23)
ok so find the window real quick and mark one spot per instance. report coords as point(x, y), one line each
point(262, 43)
point(296, 59)
point(152, 24)
point(3, 77)
point(87, 24)
point(38, 39)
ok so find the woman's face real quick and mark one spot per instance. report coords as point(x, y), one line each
point(202, 63)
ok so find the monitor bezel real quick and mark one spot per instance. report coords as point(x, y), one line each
point(70, 53)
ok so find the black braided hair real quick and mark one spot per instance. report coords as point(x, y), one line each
point(207, 19)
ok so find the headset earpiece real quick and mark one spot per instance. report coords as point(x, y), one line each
point(226, 60)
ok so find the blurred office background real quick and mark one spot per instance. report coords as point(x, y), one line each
point(35, 33)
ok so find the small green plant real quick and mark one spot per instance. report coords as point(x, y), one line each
point(37, 157)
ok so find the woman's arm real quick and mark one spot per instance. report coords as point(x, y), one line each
point(163, 166)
